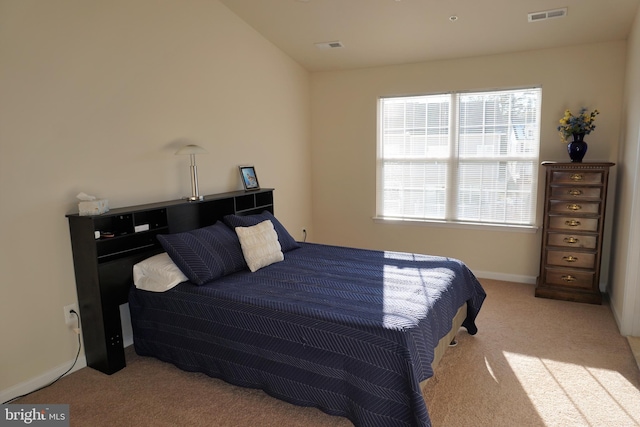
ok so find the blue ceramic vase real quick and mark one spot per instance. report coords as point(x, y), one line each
point(577, 148)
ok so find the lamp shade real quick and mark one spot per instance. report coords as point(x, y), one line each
point(191, 149)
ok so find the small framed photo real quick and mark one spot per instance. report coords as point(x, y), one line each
point(249, 178)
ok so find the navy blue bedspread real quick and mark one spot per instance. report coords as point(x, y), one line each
point(349, 331)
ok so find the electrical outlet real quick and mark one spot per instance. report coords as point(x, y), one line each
point(70, 318)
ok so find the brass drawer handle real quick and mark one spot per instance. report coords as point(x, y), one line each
point(576, 177)
point(569, 258)
point(568, 278)
point(574, 207)
point(574, 192)
point(572, 223)
point(570, 240)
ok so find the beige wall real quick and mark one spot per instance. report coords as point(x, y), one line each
point(94, 97)
point(344, 145)
point(625, 284)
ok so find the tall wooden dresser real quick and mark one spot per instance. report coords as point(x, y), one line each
point(574, 210)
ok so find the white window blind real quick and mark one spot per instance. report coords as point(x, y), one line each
point(461, 157)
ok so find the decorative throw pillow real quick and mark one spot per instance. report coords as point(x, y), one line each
point(157, 274)
point(287, 242)
point(260, 245)
point(206, 253)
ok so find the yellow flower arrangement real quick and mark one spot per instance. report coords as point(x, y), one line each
point(582, 123)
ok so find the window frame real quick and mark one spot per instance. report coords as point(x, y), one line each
point(454, 159)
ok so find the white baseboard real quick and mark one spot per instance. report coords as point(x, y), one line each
point(530, 280)
point(45, 378)
point(616, 316)
point(41, 380)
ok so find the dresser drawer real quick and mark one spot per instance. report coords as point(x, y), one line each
point(571, 259)
point(570, 278)
point(569, 207)
point(577, 177)
point(574, 224)
point(575, 192)
point(572, 240)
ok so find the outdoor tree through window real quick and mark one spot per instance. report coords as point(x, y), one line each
point(460, 157)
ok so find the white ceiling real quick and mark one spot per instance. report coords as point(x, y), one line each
point(383, 32)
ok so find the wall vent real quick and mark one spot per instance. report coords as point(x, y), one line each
point(330, 45)
point(547, 14)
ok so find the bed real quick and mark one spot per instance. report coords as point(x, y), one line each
point(350, 331)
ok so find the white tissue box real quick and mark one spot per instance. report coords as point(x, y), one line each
point(93, 207)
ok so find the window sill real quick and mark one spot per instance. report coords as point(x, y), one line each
point(459, 225)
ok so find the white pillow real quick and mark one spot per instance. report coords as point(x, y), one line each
point(157, 274)
point(260, 245)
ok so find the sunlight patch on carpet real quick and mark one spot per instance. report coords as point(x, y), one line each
point(490, 370)
point(582, 395)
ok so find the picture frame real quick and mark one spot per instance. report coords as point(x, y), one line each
point(249, 178)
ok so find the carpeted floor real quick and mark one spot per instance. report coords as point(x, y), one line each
point(538, 362)
point(534, 362)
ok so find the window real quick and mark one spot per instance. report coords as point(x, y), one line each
point(460, 157)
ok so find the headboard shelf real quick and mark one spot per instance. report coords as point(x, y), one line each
point(105, 248)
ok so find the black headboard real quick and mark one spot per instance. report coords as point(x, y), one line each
point(104, 265)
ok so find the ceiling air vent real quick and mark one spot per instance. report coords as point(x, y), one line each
point(547, 14)
point(330, 45)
